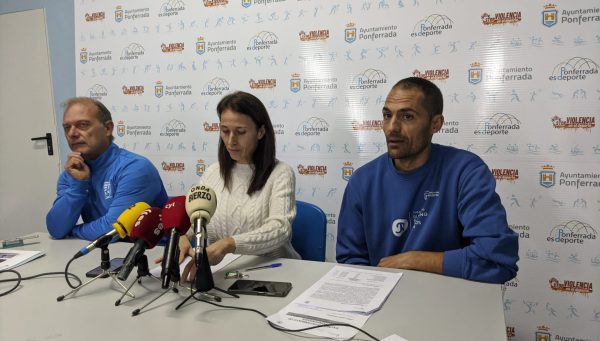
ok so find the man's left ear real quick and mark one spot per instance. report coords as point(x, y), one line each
point(109, 127)
point(436, 123)
point(261, 132)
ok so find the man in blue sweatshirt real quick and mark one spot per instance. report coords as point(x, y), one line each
point(100, 179)
point(424, 206)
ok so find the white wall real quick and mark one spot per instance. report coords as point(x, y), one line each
point(59, 18)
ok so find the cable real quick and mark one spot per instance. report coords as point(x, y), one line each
point(67, 275)
point(19, 279)
point(231, 307)
point(276, 327)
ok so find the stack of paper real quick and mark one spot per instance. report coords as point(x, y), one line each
point(12, 258)
point(344, 295)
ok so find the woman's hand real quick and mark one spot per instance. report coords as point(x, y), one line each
point(217, 250)
point(185, 249)
point(215, 253)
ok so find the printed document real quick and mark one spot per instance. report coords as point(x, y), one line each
point(343, 295)
point(10, 259)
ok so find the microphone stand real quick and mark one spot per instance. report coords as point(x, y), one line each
point(204, 280)
point(105, 266)
point(143, 270)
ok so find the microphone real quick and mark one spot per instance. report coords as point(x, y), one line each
point(122, 227)
point(176, 223)
point(200, 206)
point(147, 232)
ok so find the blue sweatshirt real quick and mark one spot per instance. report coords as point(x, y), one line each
point(118, 180)
point(448, 205)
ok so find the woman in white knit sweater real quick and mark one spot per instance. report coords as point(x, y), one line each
point(255, 191)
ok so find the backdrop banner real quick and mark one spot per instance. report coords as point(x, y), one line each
point(520, 83)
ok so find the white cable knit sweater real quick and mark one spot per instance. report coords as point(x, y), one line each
point(260, 224)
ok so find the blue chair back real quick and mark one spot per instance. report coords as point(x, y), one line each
point(309, 231)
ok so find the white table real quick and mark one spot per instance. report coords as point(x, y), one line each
point(422, 306)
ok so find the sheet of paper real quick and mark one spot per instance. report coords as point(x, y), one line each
point(230, 257)
point(298, 316)
point(10, 259)
point(351, 289)
point(394, 337)
point(343, 295)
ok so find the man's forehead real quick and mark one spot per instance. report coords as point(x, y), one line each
point(398, 95)
point(80, 112)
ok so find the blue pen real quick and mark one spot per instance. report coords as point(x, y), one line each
point(274, 265)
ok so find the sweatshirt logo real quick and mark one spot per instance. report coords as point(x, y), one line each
point(399, 226)
point(431, 194)
point(107, 190)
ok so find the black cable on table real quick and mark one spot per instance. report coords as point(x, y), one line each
point(67, 273)
point(276, 327)
point(19, 279)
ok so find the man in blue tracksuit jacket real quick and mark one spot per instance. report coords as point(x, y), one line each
point(100, 179)
point(425, 206)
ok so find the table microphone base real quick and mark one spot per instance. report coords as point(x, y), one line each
point(142, 270)
point(104, 274)
point(203, 283)
point(172, 287)
point(206, 296)
point(105, 266)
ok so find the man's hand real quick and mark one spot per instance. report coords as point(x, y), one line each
point(77, 167)
point(415, 260)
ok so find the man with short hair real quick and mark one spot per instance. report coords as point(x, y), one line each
point(100, 179)
point(424, 206)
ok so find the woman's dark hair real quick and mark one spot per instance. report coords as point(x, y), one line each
point(264, 155)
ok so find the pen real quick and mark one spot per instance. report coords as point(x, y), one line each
point(274, 265)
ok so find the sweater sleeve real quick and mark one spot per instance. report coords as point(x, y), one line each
point(276, 229)
point(492, 251)
point(137, 182)
point(351, 246)
point(71, 196)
